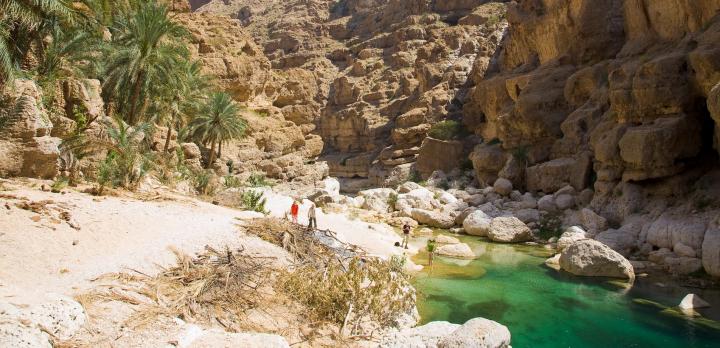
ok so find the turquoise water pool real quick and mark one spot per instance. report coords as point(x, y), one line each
point(547, 308)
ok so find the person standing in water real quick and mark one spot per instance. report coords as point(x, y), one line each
point(312, 221)
point(294, 210)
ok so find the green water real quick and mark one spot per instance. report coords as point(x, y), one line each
point(547, 308)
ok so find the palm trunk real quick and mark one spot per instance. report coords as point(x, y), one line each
point(211, 160)
point(169, 132)
point(219, 149)
point(134, 99)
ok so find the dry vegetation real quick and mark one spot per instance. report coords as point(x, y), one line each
point(342, 293)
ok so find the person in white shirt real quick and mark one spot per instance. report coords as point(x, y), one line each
point(312, 220)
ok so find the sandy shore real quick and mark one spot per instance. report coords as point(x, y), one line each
point(40, 253)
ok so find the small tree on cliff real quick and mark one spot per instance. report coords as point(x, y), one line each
point(218, 122)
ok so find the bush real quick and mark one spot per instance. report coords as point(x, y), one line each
point(447, 130)
point(59, 184)
point(203, 182)
point(392, 200)
point(253, 200)
point(414, 176)
point(550, 226)
point(258, 180)
point(232, 182)
point(345, 294)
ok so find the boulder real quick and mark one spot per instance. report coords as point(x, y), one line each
point(503, 186)
point(478, 332)
point(191, 151)
point(554, 175)
point(509, 230)
point(427, 335)
point(669, 230)
point(419, 198)
point(15, 334)
point(592, 222)
point(591, 258)
point(683, 250)
point(443, 239)
point(553, 262)
point(377, 199)
point(564, 201)
point(711, 252)
point(692, 301)
point(528, 215)
point(547, 203)
point(460, 251)
point(683, 265)
point(331, 185)
point(433, 218)
point(621, 241)
point(477, 223)
point(571, 235)
point(218, 338)
point(438, 154)
point(408, 186)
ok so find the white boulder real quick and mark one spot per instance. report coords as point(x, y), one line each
point(477, 223)
point(377, 199)
point(509, 229)
point(692, 301)
point(589, 257)
point(460, 250)
point(478, 332)
point(427, 335)
point(433, 218)
point(570, 236)
point(444, 239)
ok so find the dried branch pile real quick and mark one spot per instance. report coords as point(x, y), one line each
point(214, 287)
point(337, 283)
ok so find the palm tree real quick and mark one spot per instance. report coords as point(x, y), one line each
point(179, 100)
point(19, 24)
point(147, 52)
point(219, 121)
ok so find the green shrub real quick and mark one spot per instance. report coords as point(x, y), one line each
point(550, 226)
point(392, 200)
point(258, 180)
point(447, 130)
point(232, 182)
point(521, 154)
point(494, 141)
point(59, 184)
point(414, 176)
point(203, 181)
point(253, 200)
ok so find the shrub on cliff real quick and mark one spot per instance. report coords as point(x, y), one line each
point(447, 130)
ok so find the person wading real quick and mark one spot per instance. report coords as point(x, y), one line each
point(406, 235)
point(312, 221)
point(294, 210)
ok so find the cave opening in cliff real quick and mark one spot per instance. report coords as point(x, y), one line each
point(707, 129)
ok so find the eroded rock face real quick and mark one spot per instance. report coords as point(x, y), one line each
point(26, 145)
point(589, 257)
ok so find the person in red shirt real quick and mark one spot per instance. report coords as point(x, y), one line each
point(294, 210)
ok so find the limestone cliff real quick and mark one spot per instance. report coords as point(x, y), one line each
point(594, 94)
